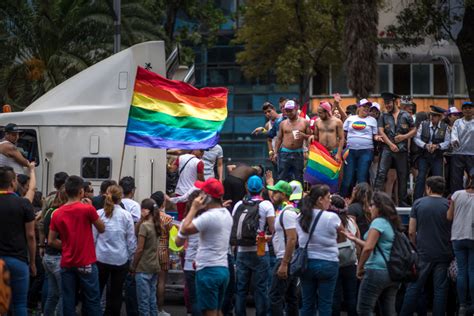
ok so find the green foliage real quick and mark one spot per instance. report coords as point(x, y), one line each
point(292, 39)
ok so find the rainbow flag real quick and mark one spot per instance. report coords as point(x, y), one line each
point(173, 114)
point(322, 168)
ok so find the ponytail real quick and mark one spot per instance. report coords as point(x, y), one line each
point(113, 196)
point(309, 202)
point(151, 205)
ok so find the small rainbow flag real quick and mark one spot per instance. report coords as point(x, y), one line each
point(322, 168)
point(173, 114)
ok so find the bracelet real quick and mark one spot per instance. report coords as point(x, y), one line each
point(181, 235)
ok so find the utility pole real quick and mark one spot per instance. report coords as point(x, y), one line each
point(449, 69)
point(117, 23)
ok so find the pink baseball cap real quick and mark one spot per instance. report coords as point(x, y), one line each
point(364, 102)
point(326, 106)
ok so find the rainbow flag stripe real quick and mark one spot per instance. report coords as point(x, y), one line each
point(322, 168)
point(173, 114)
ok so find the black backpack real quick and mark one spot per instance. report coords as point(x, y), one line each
point(246, 224)
point(403, 263)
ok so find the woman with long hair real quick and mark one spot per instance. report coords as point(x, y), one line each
point(146, 264)
point(114, 248)
point(320, 277)
point(359, 206)
point(376, 284)
point(163, 250)
point(461, 212)
point(346, 286)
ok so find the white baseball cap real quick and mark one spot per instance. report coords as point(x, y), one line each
point(289, 105)
point(375, 105)
point(364, 102)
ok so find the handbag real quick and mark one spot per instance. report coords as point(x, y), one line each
point(299, 262)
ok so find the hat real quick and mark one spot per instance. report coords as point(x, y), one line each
point(406, 100)
point(12, 128)
point(211, 186)
point(326, 106)
point(375, 105)
point(255, 184)
point(297, 190)
point(289, 105)
point(453, 110)
point(281, 186)
point(437, 110)
point(364, 102)
point(389, 96)
point(464, 104)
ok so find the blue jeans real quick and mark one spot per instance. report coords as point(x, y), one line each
point(19, 279)
point(146, 293)
point(426, 163)
point(54, 300)
point(346, 287)
point(357, 167)
point(283, 293)
point(464, 253)
point(248, 264)
point(190, 278)
point(317, 286)
point(377, 285)
point(290, 166)
point(440, 287)
point(89, 281)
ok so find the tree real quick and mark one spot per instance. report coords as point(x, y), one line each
point(292, 39)
point(360, 45)
point(47, 42)
point(451, 20)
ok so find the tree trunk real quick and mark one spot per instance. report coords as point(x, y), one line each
point(171, 13)
point(465, 43)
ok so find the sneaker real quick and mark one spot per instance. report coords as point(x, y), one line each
point(163, 313)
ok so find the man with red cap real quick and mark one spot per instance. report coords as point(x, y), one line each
point(214, 226)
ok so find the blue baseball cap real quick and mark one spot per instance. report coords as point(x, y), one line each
point(255, 184)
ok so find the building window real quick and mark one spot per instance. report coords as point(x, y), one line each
point(321, 82)
point(402, 79)
point(421, 75)
point(383, 79)
point(440, 83)
point(338, 80)
point(460, 87)
point(96, 168)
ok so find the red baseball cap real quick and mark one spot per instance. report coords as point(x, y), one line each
point(211, 186)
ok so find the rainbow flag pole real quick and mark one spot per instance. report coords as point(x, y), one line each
point(322, 168)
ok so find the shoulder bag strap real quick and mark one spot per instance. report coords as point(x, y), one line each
point(281, 224)
point(313, 227)
point(182, 168)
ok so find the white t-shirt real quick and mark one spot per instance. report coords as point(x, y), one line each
point(214, 226)
point(463, 220)
point(133, 207)
point(210, 158)
point(289, 221)
point(360, 132)
point(323, 242)
point(191, 251)
point(188, 168)
point(265, 210)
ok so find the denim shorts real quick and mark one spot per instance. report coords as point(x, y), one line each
point(211, 284)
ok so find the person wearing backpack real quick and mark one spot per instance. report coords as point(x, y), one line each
point(430, 231)
point(372, 268)
point(318, 230)
point(250, 217)
point(283, 291)
point(346, 286)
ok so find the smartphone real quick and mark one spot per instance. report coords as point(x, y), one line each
point(207, 199)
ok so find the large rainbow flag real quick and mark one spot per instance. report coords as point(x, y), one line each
point(173, 114)
point(322, 168)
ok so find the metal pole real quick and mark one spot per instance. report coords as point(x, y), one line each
point(117, 23)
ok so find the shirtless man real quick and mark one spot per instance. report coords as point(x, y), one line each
point(328, 131)
point(9, 153)
point(289, 144)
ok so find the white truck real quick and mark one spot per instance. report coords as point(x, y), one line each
point(79, 126)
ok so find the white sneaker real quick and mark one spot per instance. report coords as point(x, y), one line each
point(163, 313)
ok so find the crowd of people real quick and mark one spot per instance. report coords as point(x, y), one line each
point(243, 232)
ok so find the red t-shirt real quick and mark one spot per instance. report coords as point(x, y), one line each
point(73, 222)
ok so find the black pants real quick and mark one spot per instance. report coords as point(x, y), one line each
point(117, 276)
point(283, 293)
point(400, 160)
point(459, 164)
